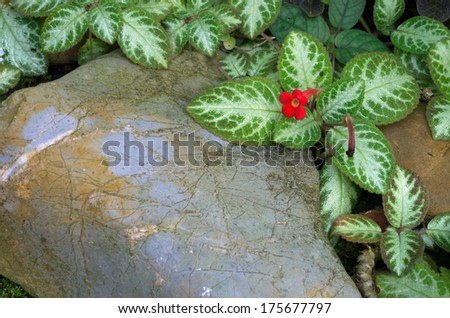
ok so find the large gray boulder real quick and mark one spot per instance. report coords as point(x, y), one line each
point(181, 214)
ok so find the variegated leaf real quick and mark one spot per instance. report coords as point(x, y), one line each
point(204, 33)
point(262, 60)
point(303, 63)
point(406, 200)
point(143, 40)
point(9, 77)
point(438, 116)
point(195, 6)
point(236, 64)
point(386, 13)
point(123, 3)
point(64, 28)
point(297, 134)
point(340, 98)
point(391, 92)
point(338, 194)
point(373, 161)
point(439, 64)
point(400, 249)
point(416, 64)
point(356, 228)
point(37, 8)
point(241, 110)
point(177, 31)
point(158, 9)
point(420, 282)
point(344, 14)
point(417, 34)
point(256, 15)
point(92, 49)
point(439, 230)
point(20, 40)
point(228, 20)
point(105, 22)
point(179, 9)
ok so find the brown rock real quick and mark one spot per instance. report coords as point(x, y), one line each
point(417, 151)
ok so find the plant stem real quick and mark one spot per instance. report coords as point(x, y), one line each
point(365, 25)
point(351, 136)
point(271, 41)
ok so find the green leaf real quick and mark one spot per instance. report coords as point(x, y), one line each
point(236, 64)
point(297, 134)
point(373, 161)
point(340, 98)
point(406, 200)
point(350, 43)
point(105, 22)
point(344, 14)
point(228, 20)
point(417, 34)
point(204, 33)
point(37, 8)
point(417, 65)
point(9, 77)
point(391, 93)
point(292, 18)
point(256, 15)
point(64, 28)
point(123, 3)
point(143, 40)
point(436, 9)
point(357, 228)
point(157, 9)
point(338, 195)
point(400, 250)
point(177, 32)
point(386, 13)
point(262, 60)
point(179, 9)
point(303, 62)
point(20, 40)
point(438, 116)
point(439, 64)
point(92, 49)
point(241, 110)
point(312, 7)
point(420, 282)
point(439, 230)
point(195, 6)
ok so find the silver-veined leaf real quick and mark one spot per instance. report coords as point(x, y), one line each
point(420, 282)
point(340, 98)
point(158, 9)
point(439, 230)
point(143, 40)
point(417, 34)
point(236, 64)
point(391, 92)
point(344, 14)
point(228, 20)
point(256, 15)
point(195, 6)
point(262, 60)
point(416, 64)
point(303, 62)
point(20, 41)
point(350, 43)
point(297, 134)
point(105, 22)
point(64, 28)
point(400, 249)
point(438, 116)
point(439, 64)
point(240, 110)
point(92, 49)
point(9, 77)
point(406, 200)
point(292, 18)
point(123, 3)
point(204, 33)
point(386, 13)
point(372, 163)
point(356, 228)
point(338, 194)
point(177, 32)
point(37, 8)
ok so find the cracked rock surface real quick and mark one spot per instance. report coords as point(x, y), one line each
point(96, 200)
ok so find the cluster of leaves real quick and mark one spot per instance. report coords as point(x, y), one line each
point(375, 87)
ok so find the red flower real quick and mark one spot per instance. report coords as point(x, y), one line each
point(294, 104)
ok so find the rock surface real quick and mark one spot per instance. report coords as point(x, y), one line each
point(416, 150)
point(73, 223)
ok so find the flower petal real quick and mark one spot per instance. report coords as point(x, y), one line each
point(310, 92)
point(297, 94)
point(285, 98)
point(288, 110)
point(300, 113)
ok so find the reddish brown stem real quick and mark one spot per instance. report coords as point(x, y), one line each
point(351, 136)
